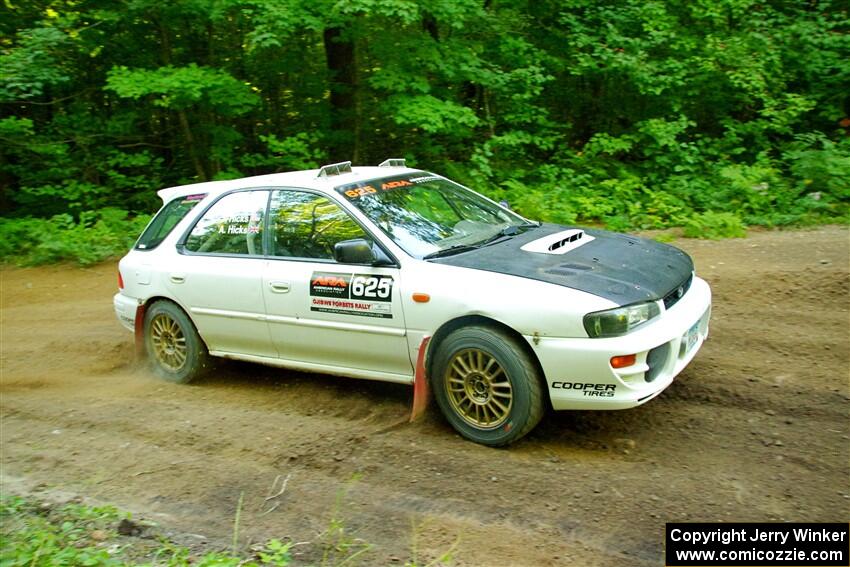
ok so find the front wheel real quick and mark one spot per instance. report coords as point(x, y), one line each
point(174, 348)
point(487, 385)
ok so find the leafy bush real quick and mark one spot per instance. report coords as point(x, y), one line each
point(821, 166)
point(692, 189)
point(715, 226)
point(93, 237)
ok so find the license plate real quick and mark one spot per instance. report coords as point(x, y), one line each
point(692, 336)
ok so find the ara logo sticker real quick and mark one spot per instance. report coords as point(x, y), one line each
point(395, 184)
point(365, 295)
point(329, 285)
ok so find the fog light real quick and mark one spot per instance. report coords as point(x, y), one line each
point(623, 360)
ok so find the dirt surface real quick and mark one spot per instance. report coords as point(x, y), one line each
point(756, 429)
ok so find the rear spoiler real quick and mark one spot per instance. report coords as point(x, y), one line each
point(171, 193)
point(168, 194)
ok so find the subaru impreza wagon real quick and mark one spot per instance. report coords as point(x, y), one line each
point(397, 274)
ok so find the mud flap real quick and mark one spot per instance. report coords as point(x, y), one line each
point(139, 329)
point(420, 382)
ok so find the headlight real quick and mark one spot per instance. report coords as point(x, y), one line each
point(619, 321)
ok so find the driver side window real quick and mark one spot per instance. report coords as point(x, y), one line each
point(307, 225)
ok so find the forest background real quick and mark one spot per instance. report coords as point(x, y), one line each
point(710, 115)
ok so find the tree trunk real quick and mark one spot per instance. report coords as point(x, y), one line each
point(190, 145)
point(342, 65)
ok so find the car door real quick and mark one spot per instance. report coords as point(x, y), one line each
point(326, 313)
point(218, 277)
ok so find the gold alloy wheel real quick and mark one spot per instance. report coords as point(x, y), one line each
point(478, 388)
point(169, 343)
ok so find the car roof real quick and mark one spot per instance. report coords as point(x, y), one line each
point(308, 179)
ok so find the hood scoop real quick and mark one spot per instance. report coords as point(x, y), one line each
point(559, 243)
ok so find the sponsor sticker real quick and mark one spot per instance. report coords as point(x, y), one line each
point(354, 191)
point(588, 389)
point(363, 295)
point(193, 198)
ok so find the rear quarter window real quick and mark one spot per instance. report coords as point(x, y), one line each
point(165, 221)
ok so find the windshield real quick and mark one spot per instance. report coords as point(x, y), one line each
point(426, 215)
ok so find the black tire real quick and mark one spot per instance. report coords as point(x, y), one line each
point(458, 392)
point(174, 348)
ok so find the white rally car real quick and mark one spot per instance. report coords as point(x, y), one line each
point(397, 274)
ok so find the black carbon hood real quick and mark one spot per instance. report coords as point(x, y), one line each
point(621, 268)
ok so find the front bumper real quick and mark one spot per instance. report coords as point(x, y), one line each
point(125, 310)
point(579, 373)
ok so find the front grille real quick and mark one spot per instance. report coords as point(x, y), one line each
point(678, 292)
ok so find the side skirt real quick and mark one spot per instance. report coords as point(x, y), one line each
point(314, 367)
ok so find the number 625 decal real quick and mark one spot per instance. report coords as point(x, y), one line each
point(372, 288)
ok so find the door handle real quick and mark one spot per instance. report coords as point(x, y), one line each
point(279, 287)
point(178, 278)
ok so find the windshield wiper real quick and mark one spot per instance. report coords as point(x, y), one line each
point(456, 249)
point(510, 230)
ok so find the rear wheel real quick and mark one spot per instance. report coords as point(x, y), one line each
point(174, 348)
point(487, 385)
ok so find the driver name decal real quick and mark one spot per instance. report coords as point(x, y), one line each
point(363, 295)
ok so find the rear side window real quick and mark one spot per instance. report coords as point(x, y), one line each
point(166, 219)
point(232, 226)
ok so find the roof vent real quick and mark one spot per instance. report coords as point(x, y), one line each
point(392, 162)
point(335, 169)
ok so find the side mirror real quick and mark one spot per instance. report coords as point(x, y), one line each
point(354, 251)
point(361, 251)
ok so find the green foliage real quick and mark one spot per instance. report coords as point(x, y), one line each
point(430, 114)
point(664, 237)
point(628, 114)
point(276, 553)
point(340, 547)
point(715, 226)
point(820, 166)
point(34, 65)
point(76, 535)
point(285, 154)
point(94, 237)
point(63, 538)
point(183, 87)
